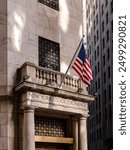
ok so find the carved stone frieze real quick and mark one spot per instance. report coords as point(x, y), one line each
point(57, 102)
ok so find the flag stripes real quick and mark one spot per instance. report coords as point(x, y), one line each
point(82, 66)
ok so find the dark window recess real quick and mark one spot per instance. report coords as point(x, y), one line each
point(98, 83)
point(95, 70)
point(108, 54)
point(94, 25)
point(98, 50)
point(49, 54)
point(94, 39)
point(107, 35)
point(50, 3)
point(98, 67)
point(96, 4)
point(105, 113)
point(97, 35)
point(97, 19)
point(99, 101)
point(50, 127)
point(111, 6)
point(112, 26)
point(96, 86)
point(106, 3)
point(95, 55)
point(103, 60)
point(103, 26)
point(103, 43)
point(109, 73)
point(104, 77)
point(107, 18)
point(93, 10)
point(102, 9)
point(105, 96)
point(109, 92)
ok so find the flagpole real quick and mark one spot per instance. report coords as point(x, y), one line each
point(71, 62)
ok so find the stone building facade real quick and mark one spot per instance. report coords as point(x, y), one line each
point(38, 39)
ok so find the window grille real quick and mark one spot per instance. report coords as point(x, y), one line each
point(49, 54)
point(50, 127)
point(50, 3)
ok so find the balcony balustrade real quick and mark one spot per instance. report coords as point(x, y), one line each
point(47, 77)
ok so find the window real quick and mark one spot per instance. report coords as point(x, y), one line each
point(98, 67)
point(94, 39)
point(97, 35)
point(111, 6)
point(110, 111)
point(49, 54)
point(100, 133)
point(103, 26)
point(99, 101)
point(96, 4)
point(109, 72)
point(50, 3)
point(106, 113)
point(95, 55)
point(107, 35)
point(96, 86)
point(99, 117)
point(98, 83)
point(105, 96)
point(95, 70)
point(104, 75)
point(97, 19)
point(112, 26)
point(103, 60)
point(97, 134)
point(109, 92)
point(107, 18)
point(103, 43)
point(108, 54)
point(93, 10)
point(50, 127)
point(98, 50)
point(94, 25)
point(106, 3)
point(102, 9)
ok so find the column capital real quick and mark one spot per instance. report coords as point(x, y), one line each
point(29, 109)
point(83, 116)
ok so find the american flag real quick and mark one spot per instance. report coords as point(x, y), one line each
point(82, 66)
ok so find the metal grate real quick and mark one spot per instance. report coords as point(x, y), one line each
point(49, 54)
point(49, 127)
point(51, 3)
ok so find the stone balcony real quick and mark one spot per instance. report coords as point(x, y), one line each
point(46, 81)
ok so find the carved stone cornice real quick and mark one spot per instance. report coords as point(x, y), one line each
point(26, 86)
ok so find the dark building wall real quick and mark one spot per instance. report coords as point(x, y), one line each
point(100, 51)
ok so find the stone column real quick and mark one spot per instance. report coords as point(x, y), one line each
point(28, 131)
point(83, 133)
point(75, 132)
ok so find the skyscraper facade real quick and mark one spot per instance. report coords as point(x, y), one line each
point(100, 53)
